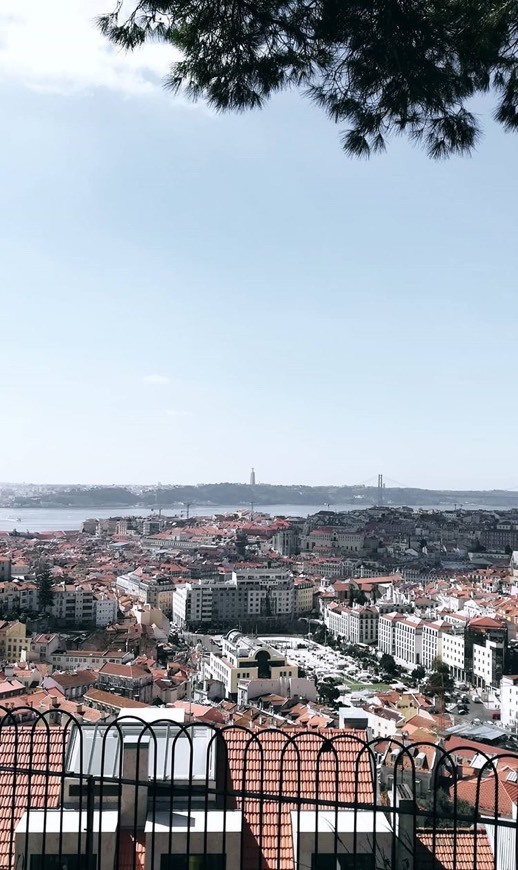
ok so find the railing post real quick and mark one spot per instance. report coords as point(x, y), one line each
point(90, 803)
point(406, 824)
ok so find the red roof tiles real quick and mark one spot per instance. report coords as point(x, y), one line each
point(270, 763)
point(453, 850)
point(26, 747)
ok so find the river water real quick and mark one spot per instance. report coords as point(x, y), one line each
point(64, 519)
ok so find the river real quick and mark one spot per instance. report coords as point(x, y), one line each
point(64, 519)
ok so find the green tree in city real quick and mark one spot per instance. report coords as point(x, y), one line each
point(418, 673)
point(388, 663)
point(328, 693)
point(442, 806)
point(357, 596)
point(44, 584)
point(440, 678)
point(241, 543)
point(379, 67)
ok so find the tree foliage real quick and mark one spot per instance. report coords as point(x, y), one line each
point(44, 583)
point(380, 67)
point(388, 663)
point(328, 693)
point(440, 678)
point(445, 810)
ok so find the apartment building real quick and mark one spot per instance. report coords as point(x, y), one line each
point(433, 634)
point(485, 651)
point(73, 605)
point(509, 702)
point(304, 595)
point(5, 569)
point(76, 659)
point(12, 640)
point(452, 654)
point(244, 658)
point(255, 595)
point(333, 538)
point(409, 640)
point(126, 680)
point(387, 625)
point(18, 595)
point(363, 625)
point(43, 645)
point(154, 589)
point(73, 684)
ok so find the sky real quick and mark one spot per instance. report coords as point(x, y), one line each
point(185, 295)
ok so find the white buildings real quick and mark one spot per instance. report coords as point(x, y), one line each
point(149, 588)
point(509, 702)
point(453, 652)
point(387, 632)
point(401, 636)
point(243, 658)
point(81, 604)
point(433, 634)
point(333, 538)
point(486, 660)
point(354, 624)
point(253, 596)
point(363, 625)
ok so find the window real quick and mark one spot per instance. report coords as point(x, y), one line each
point(192, 862)
point(62, 862)
point(343, 862)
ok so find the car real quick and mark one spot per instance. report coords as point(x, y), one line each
point(476, 699)
point(462, 711)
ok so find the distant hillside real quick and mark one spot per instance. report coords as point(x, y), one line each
point(238, 494)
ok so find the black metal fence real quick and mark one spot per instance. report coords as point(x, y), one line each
point(140, 795)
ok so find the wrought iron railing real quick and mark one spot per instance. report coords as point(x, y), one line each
point(153, 795)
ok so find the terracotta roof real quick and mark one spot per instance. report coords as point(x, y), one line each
point(131, 672)
point(270, 764)
point(485, 622)
point(97, 696)
point(453, 850)
point(39, 750)
point(71, 679)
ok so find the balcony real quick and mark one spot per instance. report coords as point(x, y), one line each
point(157, 795)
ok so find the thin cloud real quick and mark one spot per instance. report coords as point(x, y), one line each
point(155, 379)
point(175, 412)
point(57, 47)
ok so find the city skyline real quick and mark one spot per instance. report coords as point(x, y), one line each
point(187, 293)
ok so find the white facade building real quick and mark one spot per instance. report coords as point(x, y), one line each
point(453, 653)
point(433, 633)
point(509, 702)
point(251, 595)
point(244, 658)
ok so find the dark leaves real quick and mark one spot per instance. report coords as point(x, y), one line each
point(377, 66)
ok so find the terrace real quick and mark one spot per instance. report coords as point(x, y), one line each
point(155, 795)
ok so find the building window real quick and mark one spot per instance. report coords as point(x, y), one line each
point(192, 862)
point(342, 862)
point(62, 862)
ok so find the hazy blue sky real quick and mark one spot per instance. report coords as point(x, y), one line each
point(185, 295)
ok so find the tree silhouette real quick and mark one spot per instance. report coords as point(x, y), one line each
point(44, 583)
point(381, 67)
